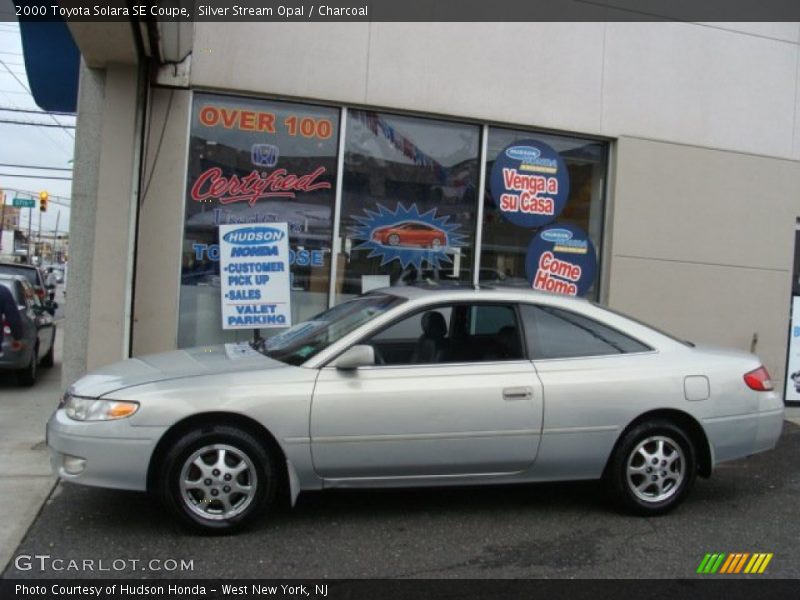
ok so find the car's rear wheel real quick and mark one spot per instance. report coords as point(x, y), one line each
point(27, 375)
point(394, 239)
point(436, 243)
point(652, 469)
point(218, 479)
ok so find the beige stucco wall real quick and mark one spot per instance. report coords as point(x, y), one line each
point(702, 243)
point(101, 232)
point(725, 85)
point(161, 223)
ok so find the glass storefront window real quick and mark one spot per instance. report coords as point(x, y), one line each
point(408, 201)
point(408, 209)
point(256, 161)
point(506, 239)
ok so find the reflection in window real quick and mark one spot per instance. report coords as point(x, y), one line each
point(504, 244)
point(256, 161)
point(555, 333)
point(408, 203)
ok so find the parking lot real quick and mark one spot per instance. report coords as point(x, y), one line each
point(549, 531)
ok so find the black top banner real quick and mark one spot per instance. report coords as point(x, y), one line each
point(405, 10)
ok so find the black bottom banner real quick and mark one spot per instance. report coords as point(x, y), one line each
point(390, 589)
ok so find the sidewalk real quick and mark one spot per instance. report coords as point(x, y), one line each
point(25, 480)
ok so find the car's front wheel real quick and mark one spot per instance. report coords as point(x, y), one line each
point(652, 469)
point(218, 479)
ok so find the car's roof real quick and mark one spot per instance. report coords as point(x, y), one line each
point(18, 265)
point(468, 291)
point(10, 277)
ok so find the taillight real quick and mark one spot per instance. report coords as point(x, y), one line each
point(759, 380)
point(6, 329)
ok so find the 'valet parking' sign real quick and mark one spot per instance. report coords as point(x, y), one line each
point(254, 273)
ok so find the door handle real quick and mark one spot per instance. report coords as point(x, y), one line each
point(517, 393)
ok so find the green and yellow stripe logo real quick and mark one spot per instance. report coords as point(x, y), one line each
point(734, 563)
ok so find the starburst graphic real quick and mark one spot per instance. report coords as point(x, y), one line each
point(412, 252)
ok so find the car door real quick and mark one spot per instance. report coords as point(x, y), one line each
point(596, 380)
point(469, 409)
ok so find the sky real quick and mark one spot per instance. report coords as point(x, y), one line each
point(30, 145)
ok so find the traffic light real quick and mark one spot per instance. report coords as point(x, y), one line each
point(43, 197)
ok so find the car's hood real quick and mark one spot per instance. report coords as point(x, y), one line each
point(191, 362)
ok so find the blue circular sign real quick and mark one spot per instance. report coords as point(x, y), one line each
point(529, 184)
point(561, 259)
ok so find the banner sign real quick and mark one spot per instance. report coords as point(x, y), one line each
point(561, 259)
point(254, 276)
point(792, 387)
point(529, 184)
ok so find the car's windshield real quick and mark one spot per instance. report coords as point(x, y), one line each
point(299, 343)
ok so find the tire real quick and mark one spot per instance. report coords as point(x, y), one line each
point(49, 359)
point(436, 244)
point(201, 506)
point(27, 375)
point(394, 240)
point(640, 486)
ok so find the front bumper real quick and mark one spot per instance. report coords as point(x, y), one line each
point(114, 453)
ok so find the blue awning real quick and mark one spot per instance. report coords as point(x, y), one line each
point(52, 61)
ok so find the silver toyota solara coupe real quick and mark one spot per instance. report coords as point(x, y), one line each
point(413, 386)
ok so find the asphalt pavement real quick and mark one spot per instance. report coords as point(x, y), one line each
point(530, 531)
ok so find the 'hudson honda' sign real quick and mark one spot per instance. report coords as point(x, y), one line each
point(254, 273)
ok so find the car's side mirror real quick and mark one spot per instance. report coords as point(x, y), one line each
point(357, 356)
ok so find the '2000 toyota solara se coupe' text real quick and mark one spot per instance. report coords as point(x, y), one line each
point(417, 386)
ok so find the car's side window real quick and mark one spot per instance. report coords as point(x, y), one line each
point(454, 333)
point(555, 333)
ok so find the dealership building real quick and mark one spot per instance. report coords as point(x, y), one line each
point(649, 166)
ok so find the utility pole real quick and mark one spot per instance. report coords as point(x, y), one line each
point(39, 237)
point(3, 221)
point(55, 237)
point(30, 225)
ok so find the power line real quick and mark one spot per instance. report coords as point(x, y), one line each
point(61, 126)
point(37, 112)
point(35, 167)
point(62, 200)
point(25, 87)
point(43, 131)
point(34, 176)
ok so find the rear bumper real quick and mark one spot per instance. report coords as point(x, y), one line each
point(11, 360)
point(110, 454)
point(738, 436)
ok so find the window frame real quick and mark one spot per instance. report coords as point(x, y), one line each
point(539, 305)
point(512, 304)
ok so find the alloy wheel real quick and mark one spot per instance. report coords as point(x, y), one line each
point(218, 482)
point(655, 469)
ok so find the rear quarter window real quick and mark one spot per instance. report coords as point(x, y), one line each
point(556, 333)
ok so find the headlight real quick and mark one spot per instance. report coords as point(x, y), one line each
point(92, 409)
